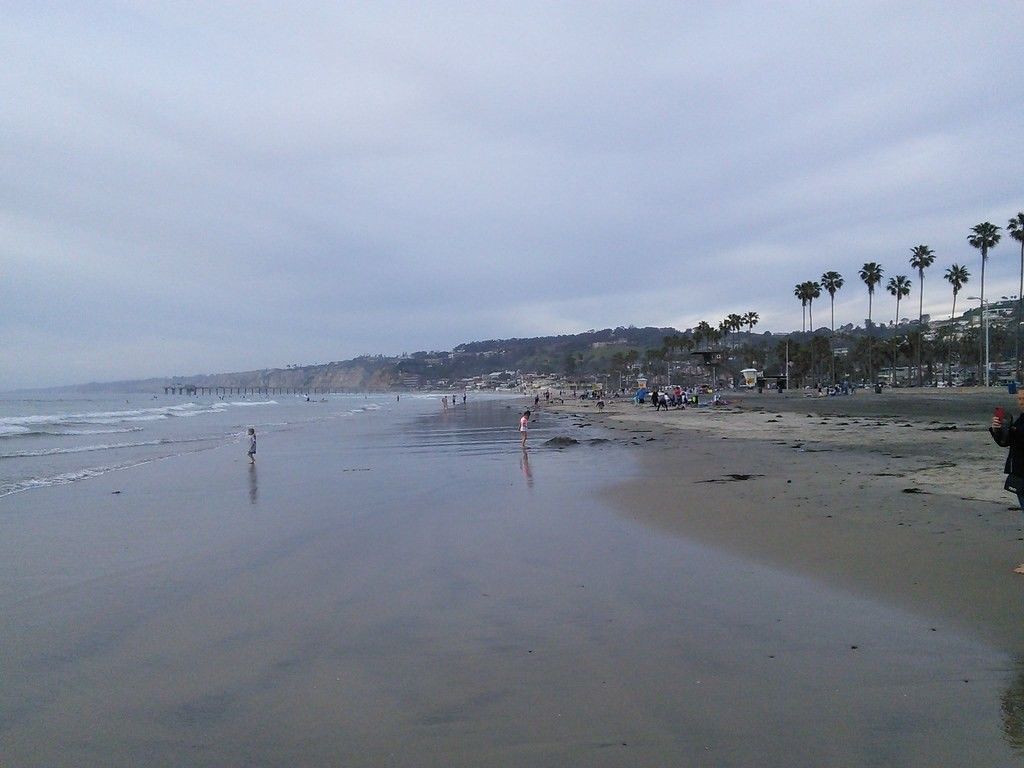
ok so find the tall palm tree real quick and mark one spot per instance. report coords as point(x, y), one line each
point(800, 291)
point(813, 291)
point(899, 287)
point(957, 276)
point(832, 281)
point(871, 273)
point(724, 328)
point(735, 321)
point(750, 319)
point(1016, 229)
point(921, 257)
point(702, 332)
point(985, 237)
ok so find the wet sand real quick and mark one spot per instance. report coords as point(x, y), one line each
point(895, 496)
point(421, 593)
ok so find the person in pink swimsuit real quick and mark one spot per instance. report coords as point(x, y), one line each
point(524, 426)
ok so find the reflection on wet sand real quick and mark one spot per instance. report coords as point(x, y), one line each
point(524, 464)
point(254, 490)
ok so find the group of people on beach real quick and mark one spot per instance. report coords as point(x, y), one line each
point(675, 397)
point(444, 401)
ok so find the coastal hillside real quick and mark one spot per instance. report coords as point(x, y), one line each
point(619, 351)
point(594, 351)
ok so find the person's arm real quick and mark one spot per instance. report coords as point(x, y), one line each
point(1005, 434)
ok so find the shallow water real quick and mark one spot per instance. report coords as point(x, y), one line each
point(404, 586)
point(56, 439)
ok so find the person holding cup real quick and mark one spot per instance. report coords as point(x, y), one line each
point(1009, 433)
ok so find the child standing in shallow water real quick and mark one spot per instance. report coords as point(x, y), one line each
point(252, 445)
point(524, 425)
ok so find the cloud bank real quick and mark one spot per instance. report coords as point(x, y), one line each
point(205, 187)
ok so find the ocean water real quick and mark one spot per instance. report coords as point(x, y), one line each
point(50, 439)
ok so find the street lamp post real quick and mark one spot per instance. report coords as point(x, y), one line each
point(984, 319)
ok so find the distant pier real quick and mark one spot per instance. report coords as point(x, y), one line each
point(192, 391)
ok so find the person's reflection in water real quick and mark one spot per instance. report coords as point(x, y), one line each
point(254, 489)
point(1012, 706)
point(524, 464)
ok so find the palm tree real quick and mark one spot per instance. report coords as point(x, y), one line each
point(800, 291)
point(1016, 229)
point(724, 327)
point(702, 332)
point(986, 235)
point(899, 287)
point(735, 322)
point(813, 291)
point(921, 257)
point(750, 319)
point(957, 276)
point(832, 281)
point(871, 274)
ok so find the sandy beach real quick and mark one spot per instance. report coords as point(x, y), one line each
point(898, 496)
point(409, 588)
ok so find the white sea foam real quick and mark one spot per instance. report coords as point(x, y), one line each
point(64, 478)
point(96, 431)
point(83, 449)
point(56, 423)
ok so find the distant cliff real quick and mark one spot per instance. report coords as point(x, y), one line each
point(360, 375)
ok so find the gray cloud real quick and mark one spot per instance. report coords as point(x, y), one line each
point(218, 186)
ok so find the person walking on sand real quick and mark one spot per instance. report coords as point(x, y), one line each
point(524, 423)
point(252, 445)
point(1009, 433)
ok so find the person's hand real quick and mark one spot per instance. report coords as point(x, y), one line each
point(996, 423)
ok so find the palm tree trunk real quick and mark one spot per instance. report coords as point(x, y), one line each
point(1020, 298)
point(810, 315)
point(981, 336)
point(894, 325)
point(920, 333)
point(831, 341)
point(949, 348)
point(871, 375)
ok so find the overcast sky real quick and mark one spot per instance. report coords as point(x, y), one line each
point(201, 187)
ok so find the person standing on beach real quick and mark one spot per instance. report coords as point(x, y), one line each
point(1009, 433)
point(524, 426)
point(252, 445)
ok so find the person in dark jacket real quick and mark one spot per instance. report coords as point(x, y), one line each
point(1009, 433)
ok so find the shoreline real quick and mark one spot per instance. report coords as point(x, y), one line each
point(832, 489)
